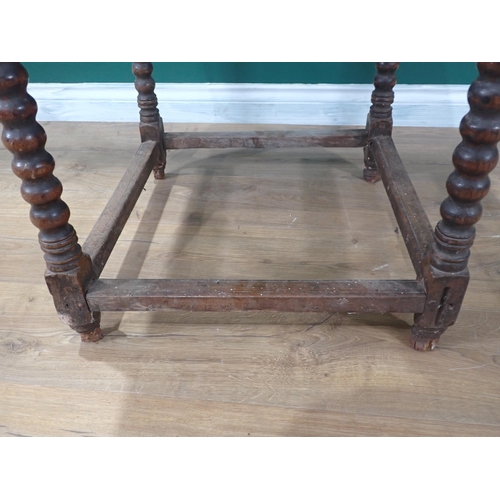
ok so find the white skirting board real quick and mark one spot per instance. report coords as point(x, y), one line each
point(322, 104)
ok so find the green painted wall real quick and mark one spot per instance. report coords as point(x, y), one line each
point(264, 72)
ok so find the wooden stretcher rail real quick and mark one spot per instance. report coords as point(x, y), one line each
point(412, 219)
point(321, 137)
point(378, 296)
point(109, 226)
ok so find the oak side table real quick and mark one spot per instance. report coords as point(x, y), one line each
point(439, 255)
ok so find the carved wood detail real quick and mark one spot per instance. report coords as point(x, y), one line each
point(151, 125)
point(69, 270)
point(474, 158)
point(379, 121)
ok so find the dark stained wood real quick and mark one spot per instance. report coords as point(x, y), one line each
point(228, 295)
point(321, 137)
point(445, 294)
point(151, 124)
point(439, 258)
point(370, 172)
point(380, 116)
point(379, 121)
point(69, 270)
point(109, 226)
point(474, 158)
point(412, 219)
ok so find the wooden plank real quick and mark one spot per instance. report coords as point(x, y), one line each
point(227, 295)
point(412, 219)
point(321, 137)
point(109, 226)
point(111, 413)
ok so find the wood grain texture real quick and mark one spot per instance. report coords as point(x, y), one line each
point(284, 295)
point(319, 137)
point(245, 214)
point(107, 230)
point(412, 219)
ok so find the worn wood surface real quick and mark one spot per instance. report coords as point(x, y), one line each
point(379, 121)
point(68, 270)
point(245, 214)
point(284, 295)
point(104, 235)
point(474, 158)
point(324, 137)
point(412, 219)
point(380, 117)
point(151, 124)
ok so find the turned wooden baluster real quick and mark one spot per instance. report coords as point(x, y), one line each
point(379, 120)
point(151, 126)
point(69, 271)
point(474, 158)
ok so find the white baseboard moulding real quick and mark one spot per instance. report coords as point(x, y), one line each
point(299, 104)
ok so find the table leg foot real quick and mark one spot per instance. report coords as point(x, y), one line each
point(91, 332)
point(370, 173)
point(159, 172)
point(424, 339)
point(371, 176)
point(93, 336)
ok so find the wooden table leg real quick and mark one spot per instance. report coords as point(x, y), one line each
point(69, 271)
point(151, 126)
point(379, 120)
point(474, 158)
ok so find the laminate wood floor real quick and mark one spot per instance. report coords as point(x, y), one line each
point(270, 214)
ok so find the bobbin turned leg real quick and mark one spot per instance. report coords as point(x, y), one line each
point(379, 121)
point(474, 158)
point(69, 271)
point(151, 125)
